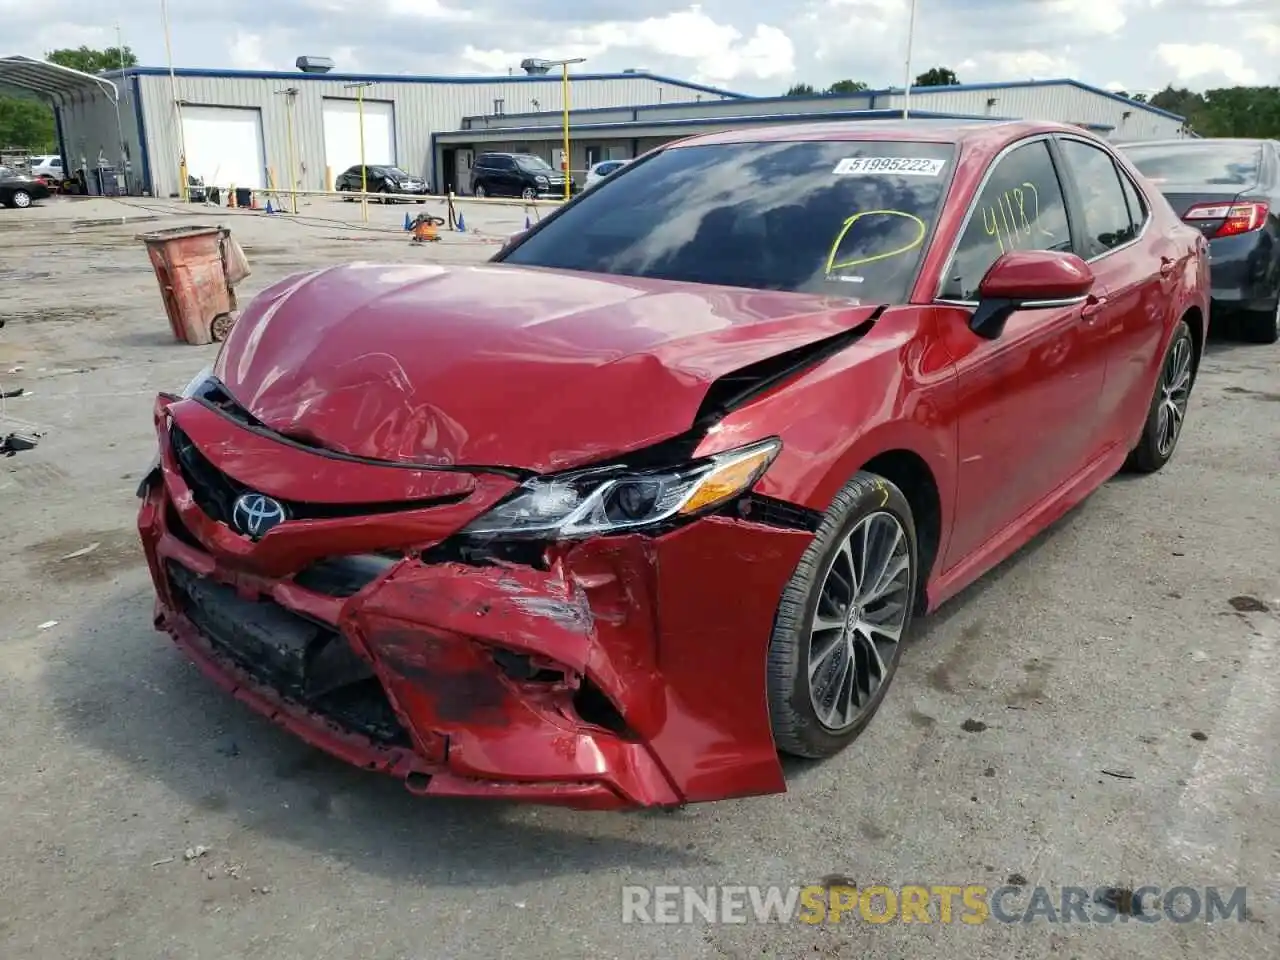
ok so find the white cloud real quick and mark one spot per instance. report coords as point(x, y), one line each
point(760, 48)
point(1024, 65)
point(1268, 34)
point(245, 52)
point(711, 52)
point(1194, 61)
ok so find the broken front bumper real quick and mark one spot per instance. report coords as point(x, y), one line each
point(629, 671)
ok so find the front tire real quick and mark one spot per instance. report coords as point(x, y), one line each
point(1261, 326)
point(480, 191)
point(1168, 407)
point(837, 638)
point(20, 199)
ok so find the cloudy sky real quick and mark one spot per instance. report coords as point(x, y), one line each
point(756, 48)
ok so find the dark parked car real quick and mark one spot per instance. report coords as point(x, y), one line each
point(381, 179)
point(655, 494)
point(19, 190)
point(516, 175)
point(1230, 191)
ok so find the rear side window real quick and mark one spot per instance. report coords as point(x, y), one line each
point(1138, 210)
point(1106, 212)
point(1021, 207)
point(1224, 163)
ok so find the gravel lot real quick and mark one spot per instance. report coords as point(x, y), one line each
point(1140, 636)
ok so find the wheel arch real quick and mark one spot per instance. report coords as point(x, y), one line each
point(1195, 320)
point(910, 473)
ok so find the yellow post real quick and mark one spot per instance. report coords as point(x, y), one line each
point(564, 96)
point(293, 177)
point(364, 172)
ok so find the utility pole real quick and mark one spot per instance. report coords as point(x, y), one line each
point(364, 171)
point(291, 95)
point(906, 89)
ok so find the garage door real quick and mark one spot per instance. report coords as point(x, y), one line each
point(224, 145)
point(342, 133)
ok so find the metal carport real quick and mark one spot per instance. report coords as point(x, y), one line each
point(57, 85)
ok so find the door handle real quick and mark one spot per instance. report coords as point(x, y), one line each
point(1092, 307)
point(1166, 266)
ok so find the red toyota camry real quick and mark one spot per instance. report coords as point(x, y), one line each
point(652, 496)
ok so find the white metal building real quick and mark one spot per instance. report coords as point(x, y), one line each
point(613, 133)
point(251, 129)
point(265, 129)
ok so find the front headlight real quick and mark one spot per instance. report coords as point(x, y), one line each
point(187, 392)
point(190, 389)
point(589, 502)
point(542, 180)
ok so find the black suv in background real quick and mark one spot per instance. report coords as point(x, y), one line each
point(516, 175)
point(381, 179)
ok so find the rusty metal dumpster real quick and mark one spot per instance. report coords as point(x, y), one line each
point(191, 267)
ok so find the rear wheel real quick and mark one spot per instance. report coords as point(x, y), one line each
point(343, 188)
point(837, 637)
point(20, 199)
point(1168, 406)
point(1261, 326)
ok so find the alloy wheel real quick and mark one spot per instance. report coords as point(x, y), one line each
point(481, 193)
point(862, 610)
point(21, 199)
point(1175, 392)
point(528, 193)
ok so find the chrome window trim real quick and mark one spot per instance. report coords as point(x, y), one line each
point(1120, 172)
point(1025, 305)
point(973, 207)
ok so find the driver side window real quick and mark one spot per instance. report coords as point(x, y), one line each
point(1020, 208)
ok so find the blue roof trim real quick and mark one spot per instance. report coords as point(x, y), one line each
point(396, 78)
point(894, 114)
point(915, 92)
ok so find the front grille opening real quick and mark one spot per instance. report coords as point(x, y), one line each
point(758, 508)
point(524, 668)
point(484, 553)
point(595, 708)
point(306, 662)
point(215, 492)
point(346, 576)
point(173, 522)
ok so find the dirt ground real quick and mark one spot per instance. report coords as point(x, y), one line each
point(1102, 711)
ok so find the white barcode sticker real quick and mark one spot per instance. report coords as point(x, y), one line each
point(903, 166)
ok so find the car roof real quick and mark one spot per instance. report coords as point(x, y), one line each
point(967, 132)
point(1194, 142)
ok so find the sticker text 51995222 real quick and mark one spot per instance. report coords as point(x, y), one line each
point(903, 166)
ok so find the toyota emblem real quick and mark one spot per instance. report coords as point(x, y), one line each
point(255, 514)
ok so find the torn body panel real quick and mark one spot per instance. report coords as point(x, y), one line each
point(621, 671)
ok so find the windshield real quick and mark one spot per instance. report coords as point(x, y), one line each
point(533, 164)
point(847, 218)
point(1227, 164)
point(395, 172)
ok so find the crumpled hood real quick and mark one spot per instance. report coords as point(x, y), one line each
point(497, 365)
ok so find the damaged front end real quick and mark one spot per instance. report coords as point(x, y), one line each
point(595, 639)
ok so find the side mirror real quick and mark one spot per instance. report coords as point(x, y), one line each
point(1028, 280)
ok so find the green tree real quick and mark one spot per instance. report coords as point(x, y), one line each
point(800, 90)
point(937, 77)
point(1138, 98)
point(27, 122)
point(88, 60)
point(846, 87)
